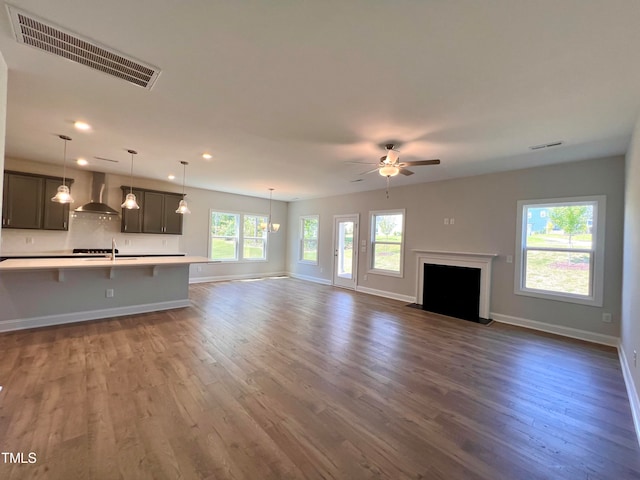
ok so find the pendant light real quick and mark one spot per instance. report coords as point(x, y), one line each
point(271, 227)
point(130, 201)
point(63, 195)
point(183, 208)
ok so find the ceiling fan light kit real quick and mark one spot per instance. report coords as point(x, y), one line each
point(389, 171)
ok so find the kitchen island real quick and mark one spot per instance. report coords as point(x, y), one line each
point(36, 292)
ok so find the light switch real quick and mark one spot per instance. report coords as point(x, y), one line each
point(509, 258)
point(452, 221)
point(446, 221)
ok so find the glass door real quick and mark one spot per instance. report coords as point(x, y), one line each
point(345, 248)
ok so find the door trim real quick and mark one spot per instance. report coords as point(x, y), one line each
point(356, 250)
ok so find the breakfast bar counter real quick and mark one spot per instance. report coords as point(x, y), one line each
point(36, 292)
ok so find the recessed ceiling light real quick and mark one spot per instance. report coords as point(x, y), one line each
point(82, 125)
point(207, 156)
point(82, 161)
point(171, 177)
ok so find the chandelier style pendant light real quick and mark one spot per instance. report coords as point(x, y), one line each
point(63, 195)
point(183, 208)
point(130, 201)
point(271, 227)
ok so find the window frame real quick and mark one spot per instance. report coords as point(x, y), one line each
point(264, 237)
point(239, 258)
point(302, 240)
point(596, 285)
point(372, 242)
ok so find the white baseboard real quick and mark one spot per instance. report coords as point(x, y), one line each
point(557, 329)
point(632, 391)
point(309, 278)
point(385, 294)
point(60, 319)
point(226, 278)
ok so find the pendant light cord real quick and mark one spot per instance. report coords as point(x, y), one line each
point(131, 182)
point(184, 175)
point(64, 159)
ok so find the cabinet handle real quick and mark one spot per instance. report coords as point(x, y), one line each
point(125, 227)
point(8, 221)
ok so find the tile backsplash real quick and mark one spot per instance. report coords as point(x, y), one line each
point(86, 230)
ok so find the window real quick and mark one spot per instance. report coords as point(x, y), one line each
point(387, 242)
point(229, 243)
point(224, 236)
point(254, 239)
point(309, 239)
point(560, 254)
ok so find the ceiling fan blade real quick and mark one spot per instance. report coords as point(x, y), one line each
point(404, 171)
point(361, 163)
point(420, 162)
point(370, 171)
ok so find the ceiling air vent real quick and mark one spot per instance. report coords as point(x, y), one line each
point(51, 38)
point(545, 145)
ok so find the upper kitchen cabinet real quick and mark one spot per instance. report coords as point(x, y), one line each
point(27, 202)
point(56, 215)
point(157, 213)
point(132, 219)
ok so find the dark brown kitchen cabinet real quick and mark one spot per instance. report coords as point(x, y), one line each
point(157, 213)
point(27, 202)
point(132, 219)
point(55, 215)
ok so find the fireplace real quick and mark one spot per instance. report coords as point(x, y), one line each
point(457, 284)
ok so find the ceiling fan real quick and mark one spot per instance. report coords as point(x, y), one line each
point(390, 164)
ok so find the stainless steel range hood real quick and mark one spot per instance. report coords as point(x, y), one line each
point(98, 197)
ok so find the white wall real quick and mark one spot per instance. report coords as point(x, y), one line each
point(3, 122)
point(630, 331)
point(90, 230)
point(484, 208)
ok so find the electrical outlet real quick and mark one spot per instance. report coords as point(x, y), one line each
point(127, 242)
point(452, 221)
point(509, 258)
point(109, 293)
point(199, 269)
point(164, 243)
point(446, 221)
point(321, 270)
point(366, 277)
point(606, 317)
point(29, 240)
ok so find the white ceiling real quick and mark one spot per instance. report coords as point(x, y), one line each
point(284, 94)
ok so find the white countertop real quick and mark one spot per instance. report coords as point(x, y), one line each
point(95, 262)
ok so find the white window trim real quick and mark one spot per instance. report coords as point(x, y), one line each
point(597, 272)
point(241, 244)
point(240, 239)
point(378, 271)
point(301, 241)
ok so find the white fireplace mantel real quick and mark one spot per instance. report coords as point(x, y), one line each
point(481, 261)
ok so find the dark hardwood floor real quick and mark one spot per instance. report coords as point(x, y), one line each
point(279, 379)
